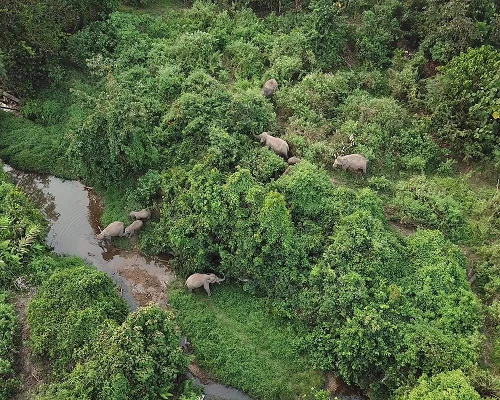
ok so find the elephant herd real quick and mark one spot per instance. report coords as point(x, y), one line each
point(352, 162)
point(117, 228)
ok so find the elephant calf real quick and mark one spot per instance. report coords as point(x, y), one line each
point(133, 228)
point(113, 229)
point(198, 280)
point(269, 87)
point(279, 146)
point(143, 214)
point(354, 162)
point(293, 160)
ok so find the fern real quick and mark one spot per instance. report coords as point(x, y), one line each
point(29, 238)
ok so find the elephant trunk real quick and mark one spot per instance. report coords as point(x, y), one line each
point(219, 280)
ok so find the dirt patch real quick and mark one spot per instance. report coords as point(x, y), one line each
point(337, 387)
point(405, 230)
point(202, 375)
point(28, 370)
point(146, 288)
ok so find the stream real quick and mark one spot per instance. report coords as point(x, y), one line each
point(74, 211)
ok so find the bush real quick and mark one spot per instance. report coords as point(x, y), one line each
point(452, 385)
point(382, 130)
point(73, 308)
point(8, 331)
point(382, 307)
point(38, 34)
point(141, 359)
point(423, 202)
point(114, 142)
point(465, 105)
point(264, 164)
point(22, 231)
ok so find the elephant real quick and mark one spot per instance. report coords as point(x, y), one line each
point(113, 229)
point(279, 146)
point(354, 162)
point(198, 280)
point(293, 160)
point(133, 228)
point(269, 87)
point(142, 214)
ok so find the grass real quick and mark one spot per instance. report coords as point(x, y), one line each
point(242, 345)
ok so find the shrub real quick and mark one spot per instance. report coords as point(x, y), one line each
point(462, 25)
point(264, 164)
point(8, 331)
point(141, 359)
point(22, 230)
point(73, 308)
point(43, 28)
point(114, 142)
point(423, 202)
point(382, 130)
point(382, 307)
point(452, 385)
point(465, 105)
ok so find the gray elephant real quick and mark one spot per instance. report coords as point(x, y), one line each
point(353, 162)
point(279, 146)
point(198, 280)
point(269, 87)
point(293, 160)
point(132, 229)
point(142, 214)
point(113, 229)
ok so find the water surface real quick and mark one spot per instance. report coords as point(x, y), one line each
point(74, 212)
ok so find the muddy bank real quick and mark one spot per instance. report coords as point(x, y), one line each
point(74, 212)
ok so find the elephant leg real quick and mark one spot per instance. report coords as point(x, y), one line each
point(206, 285)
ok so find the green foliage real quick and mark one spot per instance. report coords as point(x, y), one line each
point(139, 3)
point(234, 336)
point(141, 359)
point(31, 147)
point(113, 142)
point(462, 24)
point(22, 229)
point(382, 307)
point(8, 331)
point(383, 131)
point(422, 202)
point(38, 33)
point(452, 385)
point(73, 308)
point(465, 103)
point(264, 164)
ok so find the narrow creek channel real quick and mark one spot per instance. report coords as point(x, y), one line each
point(74, 211)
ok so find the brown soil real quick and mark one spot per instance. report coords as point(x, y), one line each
point(336, 386)
point(405, 230)
point(28, 370)
point(202, 375)
point(146, 288)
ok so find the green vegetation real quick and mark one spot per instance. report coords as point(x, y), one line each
point(73, 308)
point(157, 106)
point(452, 385)
point(141, 359)
point(22, 228)
point(241, 344)
point(8, 331)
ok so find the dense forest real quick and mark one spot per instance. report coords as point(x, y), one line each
point(389, 280)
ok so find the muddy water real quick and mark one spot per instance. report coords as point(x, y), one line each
point(74, 212)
